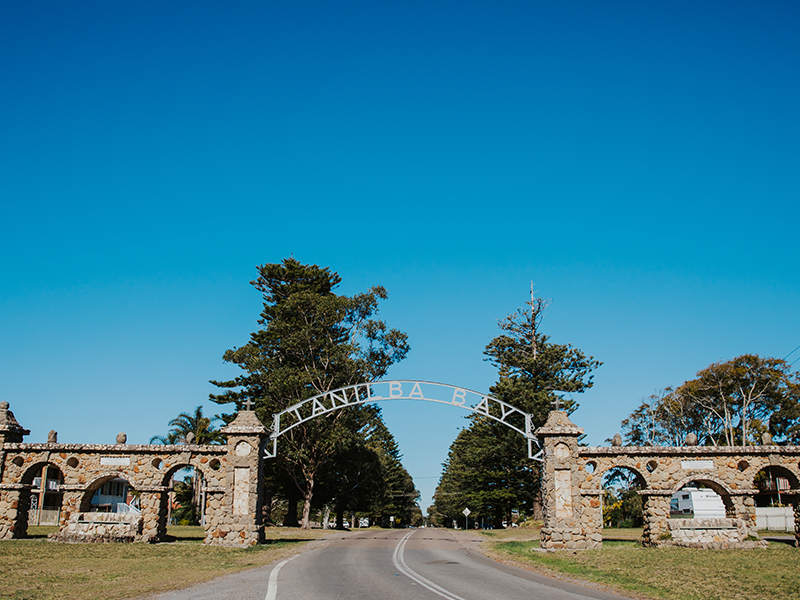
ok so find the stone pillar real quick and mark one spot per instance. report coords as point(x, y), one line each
point(238, 520)
point(154, 502)
point(70, 504)
point(11, 432)
point(570, 520)
point(14, 501)
point(745, 509)
point(215, 505)
point(655, 509)
point(14, 497)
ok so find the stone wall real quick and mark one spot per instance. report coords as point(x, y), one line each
point(102, 527)
point(148, 469)
point(572, 482)
point(716, 534)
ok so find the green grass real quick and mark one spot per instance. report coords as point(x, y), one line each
point(672, 573)
point(35, 569)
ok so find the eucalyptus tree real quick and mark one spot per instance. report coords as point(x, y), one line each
point(310, 341)
point(729, 403)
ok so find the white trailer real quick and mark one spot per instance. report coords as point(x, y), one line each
point(700, 503)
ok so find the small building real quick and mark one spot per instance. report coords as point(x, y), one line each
point(114, 496)
point(696, 503)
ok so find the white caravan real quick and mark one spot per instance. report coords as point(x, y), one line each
point(703, 504)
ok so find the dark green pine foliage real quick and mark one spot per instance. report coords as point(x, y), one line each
point(487, 469)
point(534, 372)
point(369, 478)
point(310, 341)
point(400, 496)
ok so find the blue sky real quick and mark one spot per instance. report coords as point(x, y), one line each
point(638, 161)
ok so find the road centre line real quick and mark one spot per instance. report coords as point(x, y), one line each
point(272, 584)
point(400, 563)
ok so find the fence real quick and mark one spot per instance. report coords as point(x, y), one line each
point(776, 519)
point(49, 516)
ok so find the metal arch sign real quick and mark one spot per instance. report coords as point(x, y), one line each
point(364, 393)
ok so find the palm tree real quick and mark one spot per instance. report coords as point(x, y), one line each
point(170, 439)
point(201, 429)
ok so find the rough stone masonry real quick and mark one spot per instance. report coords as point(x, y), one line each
point(230, 480)
point(572, 488)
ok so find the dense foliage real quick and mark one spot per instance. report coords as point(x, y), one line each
point(312, 340)
point(728, 403)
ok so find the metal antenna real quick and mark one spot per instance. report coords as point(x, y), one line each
point(533, 325)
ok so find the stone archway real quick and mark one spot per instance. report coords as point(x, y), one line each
point(572, 488)
point(43, 483)
point(621, 485)
point(83, 468)
point(199, 482)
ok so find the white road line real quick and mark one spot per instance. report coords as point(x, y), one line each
point(400, 564)
point(272, 584)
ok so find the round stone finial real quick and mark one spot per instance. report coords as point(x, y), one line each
point(616, 441)
point(52, 437)
point(766, 439)
point(691, 439)
point(190, 438)
point(121, 438)
point(4, 405)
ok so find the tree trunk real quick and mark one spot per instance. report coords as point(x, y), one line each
point(536, 505)
point(339, 518)
point(307, 497)
point(291, 512)
point(326, 516)
point(266, 507)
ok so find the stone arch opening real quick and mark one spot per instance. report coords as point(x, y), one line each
point(773, 483)
point(42, 496)
point(621, 501)
point(186, 495)
point(701, 504)
point(111, 492)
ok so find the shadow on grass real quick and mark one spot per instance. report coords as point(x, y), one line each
point(40, 532)
point(789, 541)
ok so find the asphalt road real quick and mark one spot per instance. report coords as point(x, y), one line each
point(415, 564)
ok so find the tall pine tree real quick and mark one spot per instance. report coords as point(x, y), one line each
point(488, 470)
point(310, 341)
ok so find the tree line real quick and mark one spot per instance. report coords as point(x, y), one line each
point(312, 340)
point(747, 400)
point(730, 403)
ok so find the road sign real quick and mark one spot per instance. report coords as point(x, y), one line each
point(466, 512)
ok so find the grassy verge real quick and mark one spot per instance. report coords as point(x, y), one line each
point(35, 569)
point(671, 573)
